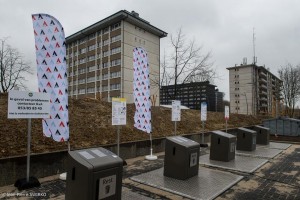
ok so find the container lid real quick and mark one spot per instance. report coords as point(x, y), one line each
point(224, 134)
point(262, 127)
point(247, 130)
point(97, 158)
point(183, 141)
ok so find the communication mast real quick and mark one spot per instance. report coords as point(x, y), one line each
point(254, 57)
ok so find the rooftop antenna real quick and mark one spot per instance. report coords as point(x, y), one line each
point(254, 57)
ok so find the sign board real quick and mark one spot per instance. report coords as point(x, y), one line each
point(203, 111)
point(226, 112)
point(23, 104)
point(176, 111)
point(118, 111)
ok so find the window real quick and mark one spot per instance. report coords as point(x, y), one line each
point(105, 53)
point(99, 44)
point(91, 90)
point(105, 76)
point(92, 47)
point(75, 53)
point(116, 86)
point(81, 81)
point(81, 91)
point(116, 38)
point(92, 36)
point(115, 50)
point(91, 58)
point(116, 62)
point(115, 74)
point(81, 40)
point(115, 26)
point(105, 65)
point(74, 92)
point(82, 60)
point(105, 30)
point(105, 42)
point(104, 88)
point(81, 51)
point(70, 73)
point(75, 62)
point(92, 68)
point(81, 71)
point(90, 79)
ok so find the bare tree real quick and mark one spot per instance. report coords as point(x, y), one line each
point(290, 75)
point(186, 63)
point(12, 68)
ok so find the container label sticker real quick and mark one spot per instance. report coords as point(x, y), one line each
point(86, 155)
point(254, 140)
point(98, 153)
point(107, 186)
point(193, 159)
point(232, 147)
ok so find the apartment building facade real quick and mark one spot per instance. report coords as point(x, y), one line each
point(100, 59)
point(193, 94)
point(253, 90)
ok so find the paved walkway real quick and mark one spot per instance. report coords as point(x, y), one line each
point(278, 179)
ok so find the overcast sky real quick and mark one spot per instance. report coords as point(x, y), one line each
point(224, 27)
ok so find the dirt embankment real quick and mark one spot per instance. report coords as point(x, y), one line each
point(90, 125)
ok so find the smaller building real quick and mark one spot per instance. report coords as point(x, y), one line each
point(192, 95)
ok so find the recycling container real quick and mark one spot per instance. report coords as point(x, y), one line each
point(93, 174)
point(181, 158)
point(222, 146)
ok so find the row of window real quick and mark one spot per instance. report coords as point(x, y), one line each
point(99, 33)
point(113, 63)
point(93, 57)
point(93, 46)
point(92, 79)
point(105, 88)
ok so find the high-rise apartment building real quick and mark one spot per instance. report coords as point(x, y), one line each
point(253, 90)
point(193, 94)
point(100, 59)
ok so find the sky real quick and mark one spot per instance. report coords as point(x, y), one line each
point(223, 27)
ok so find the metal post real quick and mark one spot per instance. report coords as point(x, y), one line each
point(175, 127)
point(202, 139)
point(28, 149)
point(118, 142)
point(151, 156)
point(69, 146)
point(226, 126)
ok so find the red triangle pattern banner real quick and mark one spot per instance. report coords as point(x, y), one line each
point(52, 73)
point(141, 90)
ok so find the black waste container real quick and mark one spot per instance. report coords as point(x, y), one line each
point(222, 146)
point(246, 139)
point(181, 158)
point(93, 174)
point(263, 135)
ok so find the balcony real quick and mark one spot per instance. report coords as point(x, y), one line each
point(262, 74)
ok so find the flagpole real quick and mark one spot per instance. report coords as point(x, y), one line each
point(28, 150)
point(151, 156)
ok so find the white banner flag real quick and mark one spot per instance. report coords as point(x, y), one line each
point(141, 90)
point(52, 73)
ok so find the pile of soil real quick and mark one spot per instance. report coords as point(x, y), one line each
point(90, 126)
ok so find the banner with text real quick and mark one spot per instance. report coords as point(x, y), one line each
point(118, 111)
point(25, 105)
